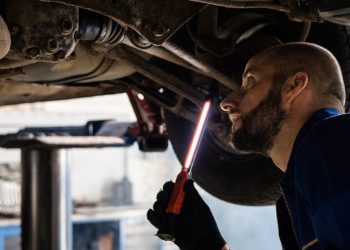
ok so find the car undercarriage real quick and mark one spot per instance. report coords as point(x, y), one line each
point(167, 56)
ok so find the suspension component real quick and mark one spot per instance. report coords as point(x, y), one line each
point(151, 130)
point(154, 20)
point(154, 73)
point(100, 29)
point(205, 68)
point(111, 34)
point(245, 4)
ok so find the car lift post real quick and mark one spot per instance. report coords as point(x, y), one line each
point(46, 198)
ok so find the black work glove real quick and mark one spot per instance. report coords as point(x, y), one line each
point(195, 227)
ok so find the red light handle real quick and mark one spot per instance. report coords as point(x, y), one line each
point(178, 194)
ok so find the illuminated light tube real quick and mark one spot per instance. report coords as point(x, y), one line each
point(197, 135)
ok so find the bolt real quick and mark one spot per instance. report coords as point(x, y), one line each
point(33, 52)
point(60, 55)
point(66, 25)
point(77, 35)
point(52, 45)
point(138, 40)
point(159, 30)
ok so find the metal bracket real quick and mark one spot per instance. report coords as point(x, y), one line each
point(155, 20)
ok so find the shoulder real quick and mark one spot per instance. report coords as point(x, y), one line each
point(335, 130)
point(337, 121)
point(325, 156)
point(329, 141)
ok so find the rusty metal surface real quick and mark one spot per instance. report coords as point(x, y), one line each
point(12, 92)
point(246, 4)
point(155, 20)
point(41, 31)
point(86, 67)
point(161, 53)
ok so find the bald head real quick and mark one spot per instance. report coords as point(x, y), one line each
point(319, 64)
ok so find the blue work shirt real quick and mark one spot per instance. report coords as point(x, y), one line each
point(316, 185)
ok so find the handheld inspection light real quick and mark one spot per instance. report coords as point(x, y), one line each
point(178, 194)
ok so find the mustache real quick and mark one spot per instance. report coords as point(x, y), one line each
point(234, 112)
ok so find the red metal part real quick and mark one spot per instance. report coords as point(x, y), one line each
point(149, 116)
point(151, 130)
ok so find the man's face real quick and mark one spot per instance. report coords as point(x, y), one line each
point(255, 110)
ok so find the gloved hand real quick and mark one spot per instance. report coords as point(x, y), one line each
point(195, 227)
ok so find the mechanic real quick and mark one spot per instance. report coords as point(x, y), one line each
point(291, 108)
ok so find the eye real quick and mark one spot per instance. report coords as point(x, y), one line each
point(250, 81)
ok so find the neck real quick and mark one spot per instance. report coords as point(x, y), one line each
point(283, 144)
point(298, 115)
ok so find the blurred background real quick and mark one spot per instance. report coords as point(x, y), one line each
point(116, 186)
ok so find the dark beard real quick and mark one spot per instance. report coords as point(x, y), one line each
point(260, 126)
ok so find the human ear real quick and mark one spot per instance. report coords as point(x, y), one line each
point(294, 86)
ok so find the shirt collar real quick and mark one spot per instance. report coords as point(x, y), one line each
point(306, 129)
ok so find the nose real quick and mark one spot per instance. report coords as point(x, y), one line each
point(230, 102)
